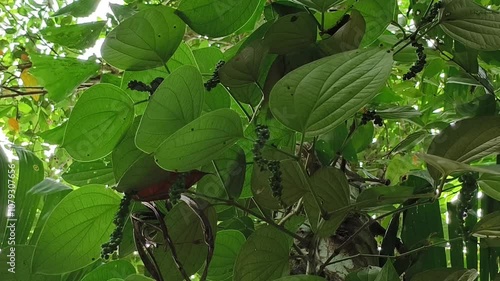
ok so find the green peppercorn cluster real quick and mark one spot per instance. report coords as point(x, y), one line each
point(177, 188)
point(275, 178)
point(214, 80)
point(262, 132)
point(370, 115)
point(419, 65)
point(465, 199)
point(121, 216)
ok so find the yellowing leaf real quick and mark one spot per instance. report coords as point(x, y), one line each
point(29, 81)
point(13, 124)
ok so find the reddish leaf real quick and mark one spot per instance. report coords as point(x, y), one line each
point(161, 190)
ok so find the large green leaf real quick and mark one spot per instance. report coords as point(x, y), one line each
point(182, 56)
point(318, 96)
point(488, 226)
point(95, 172)
point(177, 102)
point(227, 246)
point(20, 269)
point(62, 75)
point(447, 167)
point(145, 40)
point(320, 5)
point(264, 256)
point(378, 14)
point(446, 274)
point(126, 152)
point(200, 141)
point(77, 36)
point(295, 185)
point(301, 278)
point(383, 195)
point(79, 8)
point(347, 38)
point(490, 185)
point(75, 230)
point(467, 140)
point(388, 273)
point(100, 118)
point(291, 33)
point(330, 190)
point(216, 18)
point(31, 172)
point(113, 269)
point(471, 24)
point(185, 229)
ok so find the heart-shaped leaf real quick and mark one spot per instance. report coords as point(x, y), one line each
point(264, 256)
point(178, 101)
point(318, 96)
point(320, 5)
point(488, 226)
point(471, 24)
point(145, 40)
point(217, 18)
point(227, 246)
point(100, 118)
point(75, 230)
point(200, 141)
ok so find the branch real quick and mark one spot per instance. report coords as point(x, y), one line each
point(19, 93)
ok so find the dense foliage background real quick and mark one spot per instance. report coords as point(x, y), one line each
point(250, 140)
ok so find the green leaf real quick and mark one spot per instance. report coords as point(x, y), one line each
point(61, 75)
point(227, 246)
point(488, 226)
point(301, 278)
point(113, 269)
point(142, 173)
point(21, 265)
point(48, 186)
point(245, 67)
point(75, 230)
point(347, 38)
point(145, 40)
point(331, 189)
point(200, 141)
point(365, 274)
point(100, 118)
point(55, 135)
point(291, 33)
point(182, 56)
point(410, 142)
point(187, 234)
point(320, 5)
point(79, 8)
point(384, 195)
point(264, 256)
point(378, 14)
point(138, 277)
point(467, 140)
point(399, 112)
point(76, 36)
point(388, 273)
point(126, 152)
point(318, 96)
point(227, 171)
point(295, 185)
point(216, 18)
point(471, 24)
point(490, 185)
point(177, 101)
point(447, 167)
point(95, 172)
point(446, 274)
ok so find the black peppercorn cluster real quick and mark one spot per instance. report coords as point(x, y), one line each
point(121, 216)
point(433, 13)
point(177, 189)
point(214, 80)
point(262, 132)
point(419, 65)
point(465, 199)
point(370, 115)
point(275, 178)
point(143, 87)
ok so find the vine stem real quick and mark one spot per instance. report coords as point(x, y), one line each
point(396, 256)
point(251, 212)
point(249, 117)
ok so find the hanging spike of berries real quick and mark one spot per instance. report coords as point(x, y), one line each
point(262, 132)
point(214, 80)
point(465, 199)
point(119, 221)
